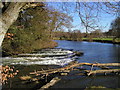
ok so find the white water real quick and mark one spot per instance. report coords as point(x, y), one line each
point(43, 57)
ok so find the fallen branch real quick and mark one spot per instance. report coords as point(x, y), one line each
point(66, 69)
point(106, 64)
point(51, 83)
point(101, 71)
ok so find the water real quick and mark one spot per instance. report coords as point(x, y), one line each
point(42, 57)
point(93, 51)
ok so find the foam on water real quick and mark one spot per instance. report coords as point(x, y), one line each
point(51, 57)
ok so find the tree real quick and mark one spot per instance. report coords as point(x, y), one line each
point(76, 35)
point(115, 27)
point(59, 21)
point(10, 13)
point(32, 30)
point(89, 13)
point(96, 33)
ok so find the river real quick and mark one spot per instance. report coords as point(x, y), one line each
point(94, 52)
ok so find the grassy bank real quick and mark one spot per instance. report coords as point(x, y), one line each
point(105, 40)
point(108, 39)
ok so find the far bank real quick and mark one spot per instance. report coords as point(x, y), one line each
point(102, 40)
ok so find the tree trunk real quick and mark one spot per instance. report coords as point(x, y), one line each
point(9, 17)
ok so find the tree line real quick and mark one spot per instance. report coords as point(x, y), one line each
point(77, 35)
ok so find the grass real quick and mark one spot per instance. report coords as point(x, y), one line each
point(99, 39)
point(117, 40)
point(108, 39)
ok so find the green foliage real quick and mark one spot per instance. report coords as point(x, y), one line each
point(33, 30)
point(30, 30)
point(107, 39)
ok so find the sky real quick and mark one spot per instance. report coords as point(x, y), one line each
point(105, 22)
point(104, 18)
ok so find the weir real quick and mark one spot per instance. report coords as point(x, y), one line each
point(43, 57)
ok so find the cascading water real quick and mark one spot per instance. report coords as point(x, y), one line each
point(43, 57)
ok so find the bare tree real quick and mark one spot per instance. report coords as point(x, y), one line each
point(115, 27)
point(89, 13)
point(58, 21)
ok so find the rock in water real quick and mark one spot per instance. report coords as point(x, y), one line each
point(78, 53)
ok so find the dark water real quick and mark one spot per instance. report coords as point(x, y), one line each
point(93, 52)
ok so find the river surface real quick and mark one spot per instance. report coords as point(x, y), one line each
point(93, 52)
point(61, 55)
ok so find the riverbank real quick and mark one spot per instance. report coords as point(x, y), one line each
point(73, 79)
point(9, 51)
point(24, 70)
point(102, 40)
